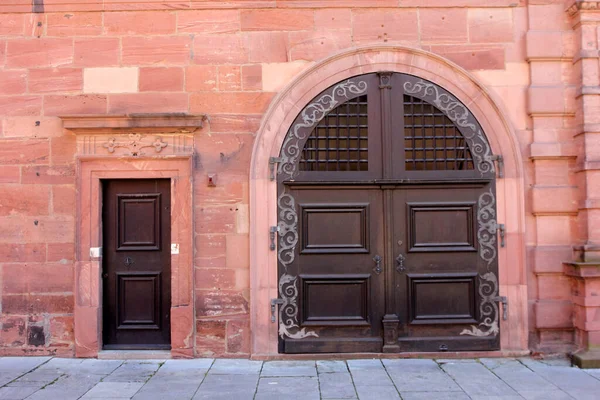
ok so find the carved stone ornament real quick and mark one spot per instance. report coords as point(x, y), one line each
point(461, 116)
point(309, 118)
point(288, 284)
point(488, 282)
point(583, 5)
point(135, 143)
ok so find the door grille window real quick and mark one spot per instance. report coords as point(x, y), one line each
point(340, 141)
point(431, 141)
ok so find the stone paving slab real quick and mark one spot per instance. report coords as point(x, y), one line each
point(44, 378)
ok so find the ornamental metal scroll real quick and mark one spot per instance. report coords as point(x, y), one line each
point(459, 115)
point(310, 116)
point(488, 282)
point(288, 284)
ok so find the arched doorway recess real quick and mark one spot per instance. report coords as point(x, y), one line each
point(389, 239)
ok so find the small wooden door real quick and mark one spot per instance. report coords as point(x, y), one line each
point(136, 216)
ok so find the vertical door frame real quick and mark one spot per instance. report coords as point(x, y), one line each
point(88, 282)
point(481, 102)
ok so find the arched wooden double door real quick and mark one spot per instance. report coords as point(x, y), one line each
point(387, 222)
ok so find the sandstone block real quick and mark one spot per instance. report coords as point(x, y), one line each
point(381, 25)
point(29, 252)
point(213, 278)
point(35, 53)
point(473, 57)
point(219, 49)
point(229, 78)
point(48, 80)
point(43, 174)
point(277, 20)
point(24, 151)
point(24, 200)
point(159, 50)
point(78, 104)
point(139, 23)
point(200, 78)
point(443, 25)
point(265, 47)
point(96, 52)
point(490, 25)
point(252, 77)
point(161, 79)
point(20, 105)
point(110, 80)
point(74, 24)
point(13, 82)
point(230, 102)
point(209, 21)
point(148, 103)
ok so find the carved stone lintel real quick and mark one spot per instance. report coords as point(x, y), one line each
point(134, 144)
point(390, 333)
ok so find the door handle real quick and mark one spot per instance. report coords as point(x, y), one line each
point(400, 261)
point(377, 268)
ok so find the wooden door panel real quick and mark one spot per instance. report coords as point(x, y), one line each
point(350, 222)
point(321, 305)
point(441, 226)
point(340, 293)
point(138, 301)
point(136, 220)
point(442, 298)
point(439, 281)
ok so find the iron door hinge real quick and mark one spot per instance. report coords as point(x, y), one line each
point(272, 162)
point(502, 232)
point(504, 301)
point(272, 231)
point(274, 304)
point(500, 161)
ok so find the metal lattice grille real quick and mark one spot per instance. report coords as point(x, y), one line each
point(431, 141)
point(340, 141)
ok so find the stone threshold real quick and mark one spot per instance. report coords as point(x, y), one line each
point(457, 355)
point(134, 355)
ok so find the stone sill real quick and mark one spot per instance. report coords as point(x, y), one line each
point(582, 269)
point(134, 123)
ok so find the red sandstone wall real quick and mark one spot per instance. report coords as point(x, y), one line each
point(229, 59)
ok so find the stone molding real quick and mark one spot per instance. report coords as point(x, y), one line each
point(583, 6)
point(138, 135)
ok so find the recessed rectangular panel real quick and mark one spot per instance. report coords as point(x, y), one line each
point(138, 221)
point(335, 228)
point(441, 227)
point(138, 300)
point(335, 300)
point(440, 299)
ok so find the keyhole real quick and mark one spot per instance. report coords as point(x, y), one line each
point(128, 261)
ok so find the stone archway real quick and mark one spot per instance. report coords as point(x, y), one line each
point(285, 108)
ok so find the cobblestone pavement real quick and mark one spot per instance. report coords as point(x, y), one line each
point(410, 379)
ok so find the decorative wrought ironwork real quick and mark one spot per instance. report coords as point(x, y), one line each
point(487, 227)
point(135, 143)
point(488, 308)
point(488, 282)
point(288, 283)
point(460, 115)
point(309, 118)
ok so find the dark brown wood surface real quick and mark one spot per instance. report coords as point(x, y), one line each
point(136, 217)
